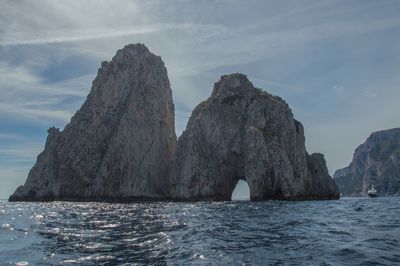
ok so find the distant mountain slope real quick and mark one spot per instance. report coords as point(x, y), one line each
point(376, 162)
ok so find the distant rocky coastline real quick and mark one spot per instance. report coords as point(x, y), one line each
point(376, 162)
point(121, 144)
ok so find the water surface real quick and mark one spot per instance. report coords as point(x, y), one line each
point(349, 231)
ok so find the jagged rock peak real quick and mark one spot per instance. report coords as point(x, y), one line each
point(237, 85)
point(130, 55)
point(242, 132)
point(133, 52)
point(232, 84)
point(119, 145)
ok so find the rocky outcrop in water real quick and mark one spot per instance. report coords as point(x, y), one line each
point(242, 132)
point(376, 162)
point(119, 145)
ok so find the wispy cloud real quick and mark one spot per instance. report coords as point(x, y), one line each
point(35, 115)
point(71, 35)
point(15, 137)
point(20, 79)
point(368, 93)
point(28, 97)
point(23, 152)
point(74, 35)
point(278, 84)
point(338, 88)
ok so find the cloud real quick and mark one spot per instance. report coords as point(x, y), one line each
point(28, 97)
point(25, 151)
point(200, 44)
point(21, 79)
point(369, 93)
point(34, 115)
point(14, 137)
point(338, 88)
point(74, 35)
point(278, 84)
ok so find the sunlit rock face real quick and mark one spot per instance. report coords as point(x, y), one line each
point(119, 144)
point(242, 132)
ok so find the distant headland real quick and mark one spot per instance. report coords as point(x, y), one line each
point(375, 162)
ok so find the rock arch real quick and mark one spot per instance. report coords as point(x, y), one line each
point(241, 191)
point(242, 132)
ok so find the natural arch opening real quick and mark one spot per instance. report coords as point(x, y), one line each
point(241, 191)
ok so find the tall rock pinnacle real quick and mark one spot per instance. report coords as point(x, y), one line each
point(242, 132)
point(118, 146)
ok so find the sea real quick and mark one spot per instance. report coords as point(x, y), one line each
point(349, 231)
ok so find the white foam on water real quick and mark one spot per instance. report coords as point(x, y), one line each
point(22, 263)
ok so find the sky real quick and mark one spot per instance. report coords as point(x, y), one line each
point(336, 63)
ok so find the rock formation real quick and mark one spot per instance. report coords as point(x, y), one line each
point(376, 162)
point(118, 146)
point(242, 132)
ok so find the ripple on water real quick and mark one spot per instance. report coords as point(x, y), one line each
point(22, 263)
point(6, 226)
point(108, 226)
point(203, 233)
point(89, 259)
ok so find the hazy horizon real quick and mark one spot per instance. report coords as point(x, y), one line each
point(335, 63)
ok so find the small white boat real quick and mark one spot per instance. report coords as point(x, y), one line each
point(372, 192)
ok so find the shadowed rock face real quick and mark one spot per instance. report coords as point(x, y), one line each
point(376, 162)
point(241, 132)
point(119, 144)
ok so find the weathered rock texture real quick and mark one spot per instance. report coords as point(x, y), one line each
point(119, 144)
point(242, 132)
point(376, 162)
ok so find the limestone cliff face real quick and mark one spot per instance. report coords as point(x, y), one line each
point(376, 162)
point(241, 132)
point(119, 144)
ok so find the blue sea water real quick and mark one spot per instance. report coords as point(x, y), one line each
point(349, 231)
